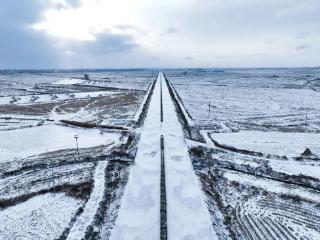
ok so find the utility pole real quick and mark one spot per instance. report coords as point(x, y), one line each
point(209, 109)
point(76, 137)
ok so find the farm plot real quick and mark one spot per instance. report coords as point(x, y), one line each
point(49, 138)
point(34, 181)
point(34, 98)
point(273, 219)
point(97, 107)
point(137, 80)
point(51, 98)
point(65, 175)
point(276, 143)
point(39, 163)
point(41, 217)
point(12, 83)
point(277, 100)
point(118, 109)
point(245, 207)
point(28, 82)
point(51, 171)
point(284, 150)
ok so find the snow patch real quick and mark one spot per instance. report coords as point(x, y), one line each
point(25, 142)
point(69, 81)
point(41, 217)
point(278, 143)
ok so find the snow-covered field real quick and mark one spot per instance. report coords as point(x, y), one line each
point(46, 98)
point(68, 81)
point(265, 219)
point(291, 145)
point(296, 168)
point(41, 217)
point(277, 143)
point(272, 113)
point(278, 99)
point(38, 153)
point(108, 97)
point(272, 186)
point(14, 82)
point(258, 208)
point(255, 194)
point(21, 143)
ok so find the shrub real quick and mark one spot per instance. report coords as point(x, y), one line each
point(227, 220)
point(197, 151)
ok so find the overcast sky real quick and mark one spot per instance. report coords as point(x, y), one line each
point(159, 33)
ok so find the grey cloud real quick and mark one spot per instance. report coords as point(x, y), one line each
point(188, 58)
point(24, 47)
point(172, 30)
point(125, 27)
point(205, 22)
point(105, 43)
point(63, 4)
point(73, 3)
point(113, 43)
point(302, 35)
point(108, 50)
point(155, 58)
point(21, 47)
point(16, 12)
point(302, 47)
point(130, 28)
point(247, 18)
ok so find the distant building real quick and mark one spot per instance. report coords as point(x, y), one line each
point(86, 76)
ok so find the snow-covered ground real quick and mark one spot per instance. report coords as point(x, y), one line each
point(35, 180)
point(122, 79)
point(144, 101)
point(68, 81)
point(277, 143)
point(311, 169)
point(271, 219)
point(272, 186)
point(25, 142)
point(86, 218)
point(41, 217)
point(274, 111)
point(46, 98)
point(15, 83)
point(251, 98)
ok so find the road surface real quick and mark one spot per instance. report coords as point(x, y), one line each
point(186, 213)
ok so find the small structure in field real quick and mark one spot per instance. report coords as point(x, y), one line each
point(86, 76)
point(306, 153)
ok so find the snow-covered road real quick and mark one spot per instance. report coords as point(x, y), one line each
point(187, 215)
